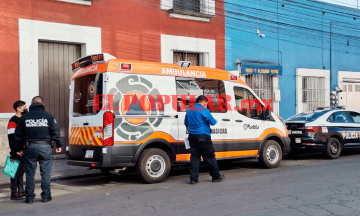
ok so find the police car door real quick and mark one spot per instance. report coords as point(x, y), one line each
point(249, 128)
point(340, 123)
point(222, 132)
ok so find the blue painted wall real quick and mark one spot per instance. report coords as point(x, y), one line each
point(297, 36)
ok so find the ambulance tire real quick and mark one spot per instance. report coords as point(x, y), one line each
point(271, 154)
point(153, 165)
point(333, 148)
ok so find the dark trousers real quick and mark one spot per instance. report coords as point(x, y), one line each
point(43, 154)
point(17, 183)
point(202, 146)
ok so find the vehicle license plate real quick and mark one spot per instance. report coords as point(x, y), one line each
point(297, 140)
point(89, 153)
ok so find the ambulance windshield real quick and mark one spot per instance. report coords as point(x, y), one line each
point(85, 89)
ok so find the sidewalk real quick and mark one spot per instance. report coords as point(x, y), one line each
point(60, 170)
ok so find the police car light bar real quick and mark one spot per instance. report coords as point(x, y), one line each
point(330, 107)
point(91, 59)
point(184, 64)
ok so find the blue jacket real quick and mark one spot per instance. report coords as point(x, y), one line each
point(199, 119)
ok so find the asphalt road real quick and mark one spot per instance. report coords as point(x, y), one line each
point(309, 185)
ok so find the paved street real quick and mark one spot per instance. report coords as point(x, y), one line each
point(309, 185)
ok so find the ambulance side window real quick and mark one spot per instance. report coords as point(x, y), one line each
point(191, 88)
point(246, 103)
point(85, 88)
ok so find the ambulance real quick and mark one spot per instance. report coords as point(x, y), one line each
point(131, 114)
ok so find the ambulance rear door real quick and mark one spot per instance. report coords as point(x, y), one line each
point(86, 120)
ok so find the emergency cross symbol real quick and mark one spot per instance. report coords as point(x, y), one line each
point(128, 96)
point(36, 122)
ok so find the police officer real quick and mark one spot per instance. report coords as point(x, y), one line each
point(37, 129)
point(197, 121)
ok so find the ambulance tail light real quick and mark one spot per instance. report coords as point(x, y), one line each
point(73, 66)
point(108, 129)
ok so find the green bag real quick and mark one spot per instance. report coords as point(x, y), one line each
point(10, 168)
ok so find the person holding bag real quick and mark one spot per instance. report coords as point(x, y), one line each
point(17, 183)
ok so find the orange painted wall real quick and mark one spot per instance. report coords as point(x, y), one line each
point(130, 30)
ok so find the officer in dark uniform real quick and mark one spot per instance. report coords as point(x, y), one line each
point(37, 129)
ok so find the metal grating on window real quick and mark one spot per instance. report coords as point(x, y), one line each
point(313, 92)
point(350, 87)
point(344, 88)
point(196, 59)
point(357, 88)
point(188, 5)
point(262, 85)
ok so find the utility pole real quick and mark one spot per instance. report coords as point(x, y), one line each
point(330, 54)
point(330, 45)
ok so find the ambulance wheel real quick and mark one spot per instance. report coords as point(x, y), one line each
point(271, 154)
point(333, 148)
point(153, 165)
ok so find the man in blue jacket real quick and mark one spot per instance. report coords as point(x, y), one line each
point(197, 121)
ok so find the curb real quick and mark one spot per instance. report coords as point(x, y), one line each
point(55, 177)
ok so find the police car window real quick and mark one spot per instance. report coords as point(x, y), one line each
point(331, 118)
point(355, 116)
point(191, 88)
point(307, 116)
point(246, 103)
point(341, 117)
point(85, 88)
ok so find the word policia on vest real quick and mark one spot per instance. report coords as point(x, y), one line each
point(148, 102)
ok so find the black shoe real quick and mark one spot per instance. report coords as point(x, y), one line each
point(29, 201)
point(193, 182)
point(222, 176)
point(22, 194)
point(47, 200)
point(16, 196)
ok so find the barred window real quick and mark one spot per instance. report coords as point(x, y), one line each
point(188, 5)
point(196, 59)
point(262, 85)
point(313, 92)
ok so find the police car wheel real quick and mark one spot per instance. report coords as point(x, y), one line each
point(153, 165)
point(271, 154)
point(333, 148)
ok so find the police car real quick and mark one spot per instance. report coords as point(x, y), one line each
point(325, 129)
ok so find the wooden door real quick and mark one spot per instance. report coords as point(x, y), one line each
point(55, 74)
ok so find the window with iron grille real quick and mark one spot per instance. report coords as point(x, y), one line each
point(188, 5)
point(313, 93)
point(262, 85)
point(196, 59)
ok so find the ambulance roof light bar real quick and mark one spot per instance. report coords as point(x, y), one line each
point(91, 59)
point(184, 64)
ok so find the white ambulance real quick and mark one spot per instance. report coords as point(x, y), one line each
point(117, 119)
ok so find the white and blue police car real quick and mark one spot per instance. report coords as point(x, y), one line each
point(325, 129)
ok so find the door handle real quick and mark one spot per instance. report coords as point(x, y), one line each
point(238, 121)
point(86, 123)
point(226, 119)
